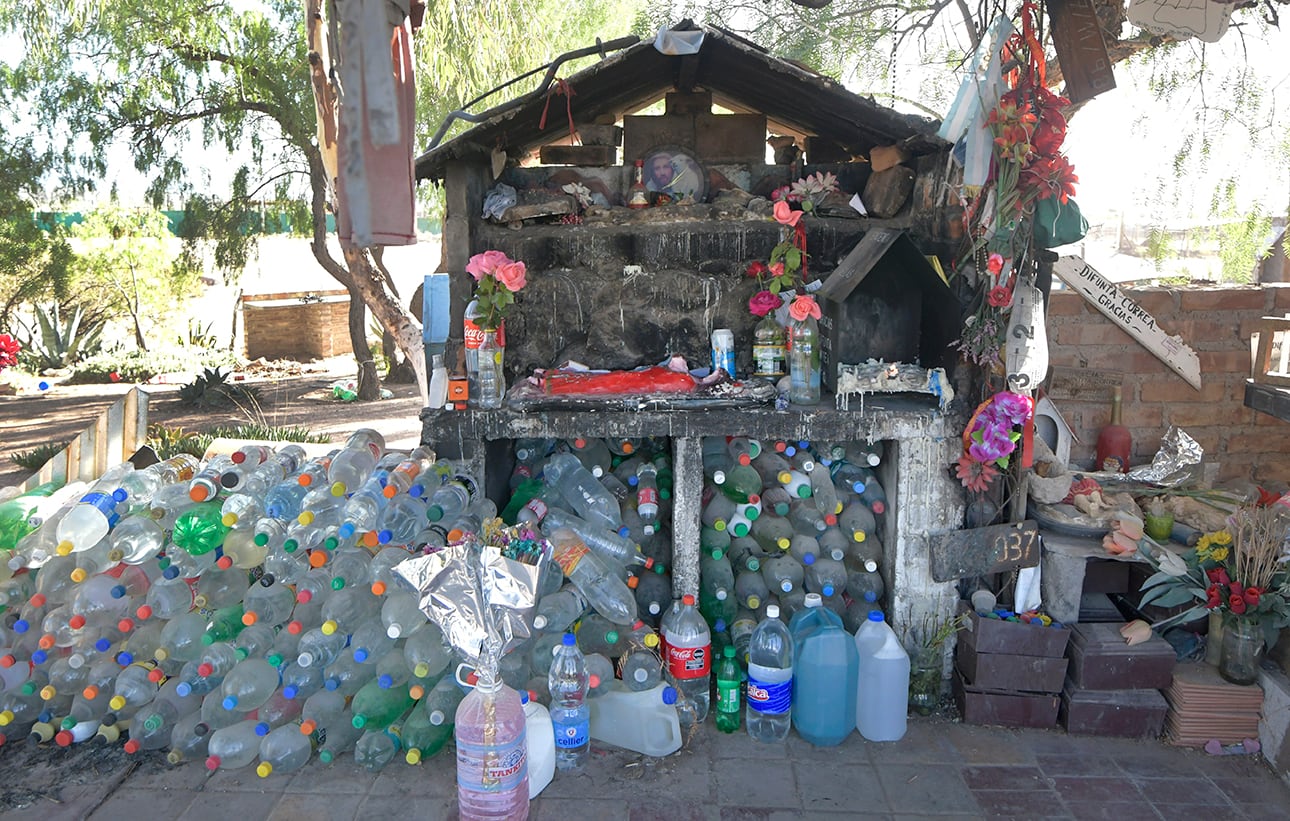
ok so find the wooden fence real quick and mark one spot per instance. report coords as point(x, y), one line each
point(113, 438)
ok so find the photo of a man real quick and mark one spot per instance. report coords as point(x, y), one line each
point(674, 174)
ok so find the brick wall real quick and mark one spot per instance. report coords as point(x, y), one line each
point(1216, 323)
point(281, 326)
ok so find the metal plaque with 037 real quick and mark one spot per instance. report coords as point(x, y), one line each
point(980, 551)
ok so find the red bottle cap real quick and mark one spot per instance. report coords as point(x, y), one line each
point(687, 600)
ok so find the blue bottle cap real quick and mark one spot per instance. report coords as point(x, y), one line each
point(102, 645)
point(331, 684)
point(118, 591)
point(183, 689)
point(229, 702)
point(827, 590)
point(45, 716)
point(120, 495)
point(262, 729)
point(385, 681)
point(170, 572)
point(21, 626)
point(290, 691)
point(384, 537)
point(808, 559)
point(39, 657)
point(416, 491)
point(870, 596)
point(569, 640)
point(633, 481)
point(669, 695)
point(719, 625)
point(524, 696)
point(360, 655)
point(875, 615)
point(346, 530)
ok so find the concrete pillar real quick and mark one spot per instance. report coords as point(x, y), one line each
point(687, 498)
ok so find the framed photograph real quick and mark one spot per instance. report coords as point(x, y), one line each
point(674, 172)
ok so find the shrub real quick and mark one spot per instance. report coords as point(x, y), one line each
point(140, 366)
point(212, 388)
point(36, 458)
point(167, 441)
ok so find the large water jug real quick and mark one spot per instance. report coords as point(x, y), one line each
point(539, 735)
point(644, 721)
point(883, 692)
point(825, 678)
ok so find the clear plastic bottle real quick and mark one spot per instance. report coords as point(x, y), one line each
point(580, 489)
point(93, 516)
point(770, 679)
point(350, 468)
point(376, 748)
point(597, 582)
point(608, 544)
point(883, 693)
point(284, 750)
point(492, 765)
point(568, 683)
point(234, 746)
point(560, 609)
point(688, 655)
point(249, 684)
point(769, 349)
point(594, 455)
point(804, 362)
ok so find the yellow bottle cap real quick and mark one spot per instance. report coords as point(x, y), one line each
point(264, 769)
point(859, 535)
point(6, 718)
point(783, 543)
point(413, 756)
point(329, 627)
point(64, 548)
point(784, 477)
point(160, 654)
point(116, 702)
point(229, 519)
point(306, 517)
point(651, 640)
point(338, 489)
point(48, 692)
point(79, 575)
point(421, 670)
point(753, 602)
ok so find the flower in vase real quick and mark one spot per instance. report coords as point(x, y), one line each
point(511, 275)
point(758, 269)
point(804, 305)
point(999, 297)
point(785, 215)
point(763, 302)
point(498, 278)
point(994, 264)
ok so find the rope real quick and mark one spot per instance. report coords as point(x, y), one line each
point(560, 87)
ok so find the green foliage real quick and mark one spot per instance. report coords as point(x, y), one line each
point(1241, 237)
point(36, 458)
point(212, 389)
point(140, 366)
point(171, 441)
point(59, 340)
point(1159, 247)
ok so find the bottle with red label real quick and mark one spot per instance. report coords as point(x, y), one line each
point(688, 660)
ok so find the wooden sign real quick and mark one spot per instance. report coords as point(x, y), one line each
point(983, 550)
point(1123, 311)
point(1026, 345)
point(1084, 384)
point(1077, 38)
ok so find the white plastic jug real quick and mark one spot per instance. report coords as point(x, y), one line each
point(882, 697)
point(540, 736)
point(644, 721)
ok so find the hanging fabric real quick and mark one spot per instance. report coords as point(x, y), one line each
point(977, 96)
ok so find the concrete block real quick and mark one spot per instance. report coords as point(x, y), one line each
point(640, 134)
point(600, 134)
point(735, 138)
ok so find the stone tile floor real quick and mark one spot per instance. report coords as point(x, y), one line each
point(941, 770)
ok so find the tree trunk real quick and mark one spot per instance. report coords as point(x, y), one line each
point(369, 381)
point(392, 316)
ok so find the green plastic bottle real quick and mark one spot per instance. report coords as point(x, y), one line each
point(224, 625)
point(729, 712)
point(742, 482)
point(421, 736)
point(15, 513)
point(200, 529)
point(520, 497)
point(376, 707)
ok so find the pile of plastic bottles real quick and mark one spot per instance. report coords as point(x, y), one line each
point(244, 611)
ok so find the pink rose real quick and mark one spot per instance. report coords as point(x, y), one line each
point(785, 215)
point(994, 264)
point(511, 275)
point(763, 302)
point(481, 265)
point(777, 270)
point(804, 306)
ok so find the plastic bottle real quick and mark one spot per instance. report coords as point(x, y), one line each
point(825, 680)
point(375, 707)
point(781, 573)
point(771, 663)
point(594, 455)
point(773, 533)
point(688, 655)
point(862, 578)
point(88, 521)
point(492, 765)
point(568, 682)
point(729, 680)
point(426, 653)
point(883, 674)
point(249, 684)
point(605, 543)
point(350, 468)
point(826, 576)
point(423, 738)
point(804, 362)
point(750, 589)
point(647, 495)
point(284, 750)
point(645, 722)
point(653, 593)
point(579, 488)
point(234, 746)
point(601, 586)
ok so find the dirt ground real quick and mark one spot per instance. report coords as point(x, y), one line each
point(290, 394)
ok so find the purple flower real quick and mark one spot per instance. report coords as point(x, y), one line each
point(1012, 406)
point(994, 444)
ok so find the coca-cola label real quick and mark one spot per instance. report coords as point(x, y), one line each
point(537, 507)
point(770, 697)
point(474, 335)
point(646, 495)
point(689, 662)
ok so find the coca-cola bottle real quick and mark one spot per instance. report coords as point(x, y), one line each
point(688, 657)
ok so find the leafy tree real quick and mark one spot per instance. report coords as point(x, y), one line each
point(125, 265)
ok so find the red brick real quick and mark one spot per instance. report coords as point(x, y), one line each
point(1176, 390)
point(1272, 469)
point(1198, 414)
point(1223, 299)
point(1093, 333)
point(1195, 331)
point(1159, 302)
point(1139, 415)
point(1236, 467)
point(1065, 303)
point(1123, 358)
point(1249, 442)
point(1224, 362)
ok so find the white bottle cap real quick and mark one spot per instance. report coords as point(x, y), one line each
point(814, 600)
point(772, 611)
point(871, 566)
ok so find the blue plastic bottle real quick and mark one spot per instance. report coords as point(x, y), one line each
point(826, 677)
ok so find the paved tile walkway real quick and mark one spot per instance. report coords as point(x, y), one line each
point(941, 770)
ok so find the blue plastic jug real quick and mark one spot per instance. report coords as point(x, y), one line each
point(825, 677)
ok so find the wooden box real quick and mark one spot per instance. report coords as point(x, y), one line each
point(1119, 713)
point(1004, 671)
point(1100, 660)
point(1015, 638)
point(1005, 709)
point(1106, 576)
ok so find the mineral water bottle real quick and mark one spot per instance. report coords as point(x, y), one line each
point(773, 533)
point(804, 362)
point(492, 756)
point(688, 657)
point(728, 684)
point(770, 679)
point(826, 576)
point(782, 574)
point(606, 543)
point(376, 748)
point(560, 609)
point(89, 520)
point(568, 682)
point(593, 454)
point(425, 652)
point(883, 693)
point(653, 593)
point(597, 582)
point(249, 684)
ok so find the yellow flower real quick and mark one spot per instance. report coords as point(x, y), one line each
point(1219, 554)
point(1221, 537)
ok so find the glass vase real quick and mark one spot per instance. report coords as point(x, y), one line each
point(925, 679)
point(1242, 650)
point(492, 382)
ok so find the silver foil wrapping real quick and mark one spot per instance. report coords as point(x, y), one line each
point(1177, 463)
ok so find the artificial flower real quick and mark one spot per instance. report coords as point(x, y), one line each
point(497, 277)
point(1050, 176)
point(803, 306)
point(993, 445)
point(1014, 407)
point(975, 476)
point(776, 269)
point(1251, 596)
point(757, 268)
point(785, 215)
point(999, 297)
point(994, 264)
point(9, 348)
point(1171, 563)
point(481, 265)
point(1219, 576)
point(1236, 604)
point(763, 302)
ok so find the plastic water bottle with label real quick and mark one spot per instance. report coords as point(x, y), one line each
point(770, 679)
point(568, 681)
point(688, 658)
point(492, 757)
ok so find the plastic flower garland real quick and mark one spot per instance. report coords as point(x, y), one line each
point(990, 438)
point(498, 278)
